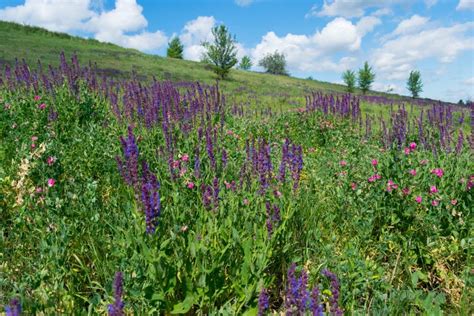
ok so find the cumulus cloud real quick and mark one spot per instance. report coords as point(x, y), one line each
point(194, 33)
point(54, 15)
point(465, 5)
point(313, 52)
point(243, 3)
point(124, 25)
point(399, 55)
point(469, 82)
point(350, 8)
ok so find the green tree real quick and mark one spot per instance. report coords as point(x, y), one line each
point(175, 48)
point(414, 84)
point(245, 63)
point(349, 78)
point(366, 78)
point(222, 52)
point(274, 64)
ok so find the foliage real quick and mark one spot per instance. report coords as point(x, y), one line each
point(274, 64)
point(366, 78)
point(175, 48)
point(201, 203)
point(414, 84)
point(245, 63)
point(349, 78)
point(222, 52)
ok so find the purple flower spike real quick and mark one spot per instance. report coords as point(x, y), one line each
point(14, 309)
point(116, 309)
point(263, 303)
point(335, 287)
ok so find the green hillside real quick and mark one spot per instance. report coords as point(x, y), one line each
point(33, 43)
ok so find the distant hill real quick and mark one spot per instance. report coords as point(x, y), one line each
point(33, 43)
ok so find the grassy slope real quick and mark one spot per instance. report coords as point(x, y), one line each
point(33, 43)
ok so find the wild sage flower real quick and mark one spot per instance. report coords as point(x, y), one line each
point(116, 309)
point(335, 288)
point(263, 302)
point(14, 309)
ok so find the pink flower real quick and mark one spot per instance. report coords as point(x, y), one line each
point(435, 202)
point(371, 179)
point(175, 164)
point(343, 163)
point(37, 97)
point(353, 186)
point(185, 158)
point(454, 202)
point(39, 190)
point(50, 160)
point(418, 199)
point(277, 193)
point(377, 176)
point(412, 172)
point(438, 172)
point(34, 138)
point(374, 162)
point(407, 151)
point(33, 145)
point(406, 191)
point(423, 162)
point(42, 106)
point(190, 185)
point(246, 201)
point(412, 146)
point(227, 185)
point(433, 189)
point(391, 186)
point(51, 182)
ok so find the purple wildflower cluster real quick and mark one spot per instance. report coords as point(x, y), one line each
point(345, 105)
point(116, 309)
point(273, 216)
point(299, 298)
point(146, 185)
point(14, 309)
point(335, 288)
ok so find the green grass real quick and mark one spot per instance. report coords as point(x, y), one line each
point(33, 43)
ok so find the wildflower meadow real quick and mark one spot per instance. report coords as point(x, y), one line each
point(145, 197)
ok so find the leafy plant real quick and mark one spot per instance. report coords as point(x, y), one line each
point(222, 52)
point(175, 48)
point(274, 64)
point(414, 84)
point(349, 78)
point(366, 78)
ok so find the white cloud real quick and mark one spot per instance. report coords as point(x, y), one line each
point(194, 33)
point(387, 87)
point(399, 55)
point(465, 5)
point(243, 3)
point(112, 26)
point(469, 82)
point(430, 3)
point(350, 8)
point(54, 15)
point(413, 24)
point(306, 53)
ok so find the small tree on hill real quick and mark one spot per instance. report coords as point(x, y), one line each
point(366, 78)
point(245, 63)
point(175, 49)
point(222, 52)
point(349, 78)
point(414, 84)
point(274, 64)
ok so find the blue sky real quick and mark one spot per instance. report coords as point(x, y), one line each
point(319, 38)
